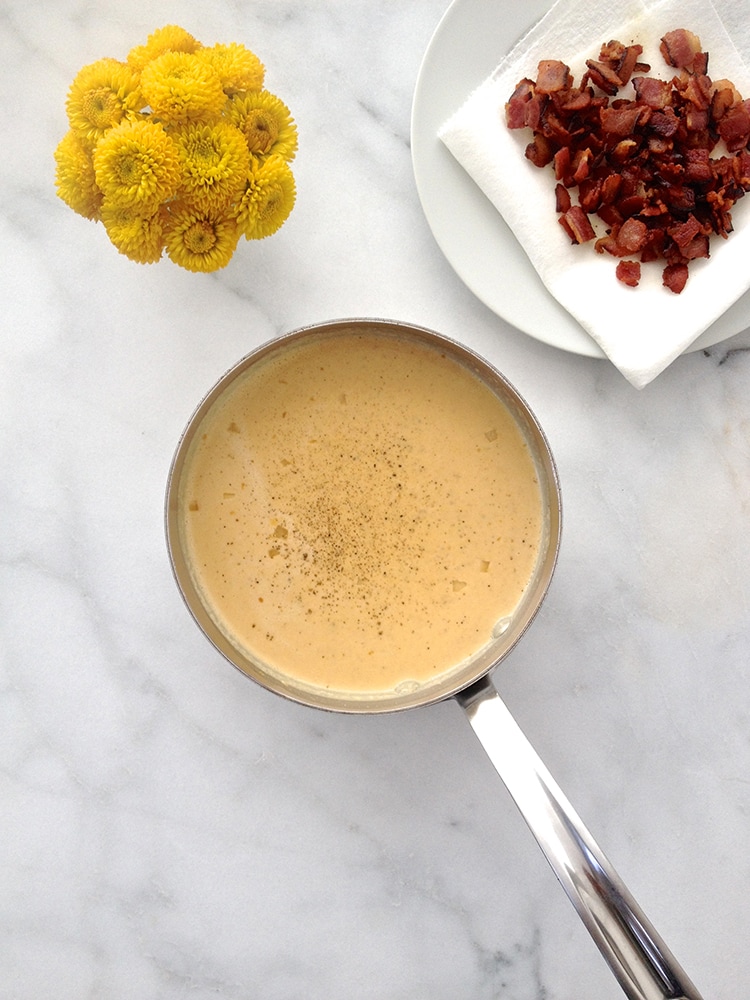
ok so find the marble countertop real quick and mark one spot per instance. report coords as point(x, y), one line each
point(169, 829)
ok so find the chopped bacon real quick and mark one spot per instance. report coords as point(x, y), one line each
point(552, 77)
point(643, 167)
point(628, 272)
point(665, 122)
point(631, 236)
point(724, 95)
point(540, 151)
point(577, 225)
point(590, 194)
point(581, 165)
point(652, 92)
point(515, 109)
point(626, 57)
point(695, 88)
point(674, 277)
point(562, 161)
point(697, 165)
point(624, 239)
point(576, 100)
point(734, 127)
point(684, 232)
point(680, 48)
point(603, 76)
point(619, 120)
point(562, 199)
point(696, 248)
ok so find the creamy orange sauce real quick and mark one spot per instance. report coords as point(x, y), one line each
point(360, 513)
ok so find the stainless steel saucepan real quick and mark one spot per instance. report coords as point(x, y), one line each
point(638, 957)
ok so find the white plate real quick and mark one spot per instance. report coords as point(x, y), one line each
point(469, 42)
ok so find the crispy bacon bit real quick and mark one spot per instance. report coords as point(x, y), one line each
point(540, 151)
point(724, 95)
point(734, 127)
point(620, 120)
point(674, 277)
point(562, 199)
point(684, 232)
point(577, 225)
point(622, 59)
point(603, 76)
point(552, 77)
point(652, 92)
point(680, 49)
point(631, 236)
point(642, 167)
point(629, 272)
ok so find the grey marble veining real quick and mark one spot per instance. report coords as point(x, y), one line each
point(170, 830)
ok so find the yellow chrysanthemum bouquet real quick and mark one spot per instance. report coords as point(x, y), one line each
point(179, 149)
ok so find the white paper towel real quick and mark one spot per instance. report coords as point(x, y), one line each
point(642, 330)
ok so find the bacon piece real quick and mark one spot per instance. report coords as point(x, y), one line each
point(680, 48)
point(603, 76)
point(515, 109)
point(679, 197)
point(590, 195)
point(533, 111)
point(654, 246)
point(628, 272)
point(562, 199)
point(552, 76)
point(577, 99)
point(539, 151)
point(652, 92)
point(696, 120)
point(696, 88)
point(659, 145)
point(623, 151)
point(611, 188)
point(674, 277)
point(628, 62)
point(734, 127)
point(724, 95)
point(631, 237)
point(684, 232)
point(563, 164)
point(577, 225)
point(620, 59)
point(625, 240)
point(581, 165)
point(665, 122)
point(620, 121)
point(696, 248)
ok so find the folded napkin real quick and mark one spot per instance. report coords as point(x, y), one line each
point(642, 330)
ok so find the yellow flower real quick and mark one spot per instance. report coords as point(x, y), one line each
point(141, 238)
point(170, 38)
point(74, 177)
point(266, 122)
point(179, 149)
point(268, 199)
point(200, 241)
point(180, 87)
point(236, 66)
point(215, 163)
point(137, 164)
point(101, 96)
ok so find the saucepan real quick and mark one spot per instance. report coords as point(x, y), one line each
point(637, 955)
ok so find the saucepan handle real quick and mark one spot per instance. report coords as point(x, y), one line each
point(641, 962)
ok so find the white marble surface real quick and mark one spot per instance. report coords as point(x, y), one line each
point(168, 829)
